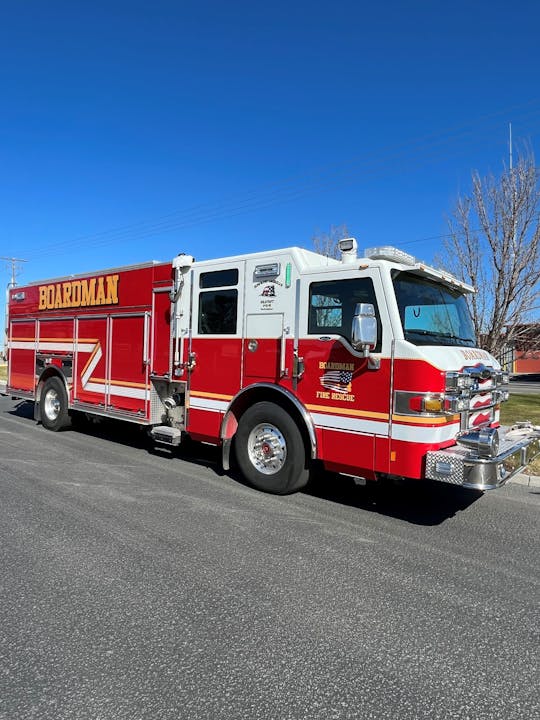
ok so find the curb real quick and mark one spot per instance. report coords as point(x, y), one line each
point(523, 479)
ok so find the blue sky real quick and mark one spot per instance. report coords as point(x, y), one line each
point(135, 130)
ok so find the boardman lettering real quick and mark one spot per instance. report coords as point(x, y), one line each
point(475, 355)
point(336, 366)
point(89, 292)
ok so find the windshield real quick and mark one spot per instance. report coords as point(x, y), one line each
point(432, 313)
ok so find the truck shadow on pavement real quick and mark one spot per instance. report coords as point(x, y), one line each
point(22, 409)
point(416, 502)
point(131, 435)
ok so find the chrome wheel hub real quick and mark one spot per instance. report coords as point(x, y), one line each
point(267, 448)
point(52, 404)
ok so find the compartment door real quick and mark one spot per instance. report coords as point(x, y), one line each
point(264, 347)
point(161, 333)
point(90, 374)
point(22, 355)
point(128, 389)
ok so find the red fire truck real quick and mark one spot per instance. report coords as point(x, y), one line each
point(368, 365)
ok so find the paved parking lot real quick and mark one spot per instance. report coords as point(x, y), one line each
point(136, 585)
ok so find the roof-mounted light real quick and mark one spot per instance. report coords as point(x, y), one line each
point(183, 261)
point(387, 252)
point(348, 249)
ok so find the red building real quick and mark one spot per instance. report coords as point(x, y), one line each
point(527, 349)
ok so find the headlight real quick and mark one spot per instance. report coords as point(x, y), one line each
point(459, 381)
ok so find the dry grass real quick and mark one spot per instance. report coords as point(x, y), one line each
point(3, 372)
point(523, 407)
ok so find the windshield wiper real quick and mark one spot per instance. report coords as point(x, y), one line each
point(434, 333)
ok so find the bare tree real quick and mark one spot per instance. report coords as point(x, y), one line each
point(495, 246)
point(326, 243)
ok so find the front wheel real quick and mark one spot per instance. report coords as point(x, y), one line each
point(54, 405)
point(270, 449)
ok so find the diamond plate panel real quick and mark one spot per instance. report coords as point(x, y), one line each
point(160, 390)
point(446, 467)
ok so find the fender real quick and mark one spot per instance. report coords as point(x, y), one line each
point(229, 424)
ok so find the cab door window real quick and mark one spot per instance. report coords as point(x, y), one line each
point(332, 304)
point(218, 306)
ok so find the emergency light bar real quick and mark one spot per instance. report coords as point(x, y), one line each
point(387, 252)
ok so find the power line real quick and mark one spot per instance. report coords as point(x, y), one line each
point(291, 188)
point(536, 218)
point(208, 213)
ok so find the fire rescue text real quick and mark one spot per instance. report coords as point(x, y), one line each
point(102, 290)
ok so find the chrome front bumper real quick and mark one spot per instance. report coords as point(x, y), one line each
point(461, 466)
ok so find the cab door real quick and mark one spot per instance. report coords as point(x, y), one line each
point(215, 345)
point(347, 394)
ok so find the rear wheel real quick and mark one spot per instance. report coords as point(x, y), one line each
point(54, 405)
point(270, 449)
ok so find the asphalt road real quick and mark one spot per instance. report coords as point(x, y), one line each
point(525, 384)
point(524, 388)
point(135, 586)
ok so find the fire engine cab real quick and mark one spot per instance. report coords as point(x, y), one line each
point(368, 365)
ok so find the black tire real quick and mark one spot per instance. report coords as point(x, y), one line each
point(270, 450)
point(53, 405)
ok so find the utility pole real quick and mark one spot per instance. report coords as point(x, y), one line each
point(12, 283)
point(14, 273)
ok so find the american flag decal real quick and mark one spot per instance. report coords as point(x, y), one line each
point(337, 380)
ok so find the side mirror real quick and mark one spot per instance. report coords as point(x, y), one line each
point(364, 328)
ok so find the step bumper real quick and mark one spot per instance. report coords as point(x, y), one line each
point(461, 466)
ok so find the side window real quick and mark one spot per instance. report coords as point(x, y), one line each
point(332, 305)
point(218, 308)
point(219, 278)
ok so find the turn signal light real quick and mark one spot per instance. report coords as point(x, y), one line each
point(433, 404)
point(426, 404)
point(407, 403)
